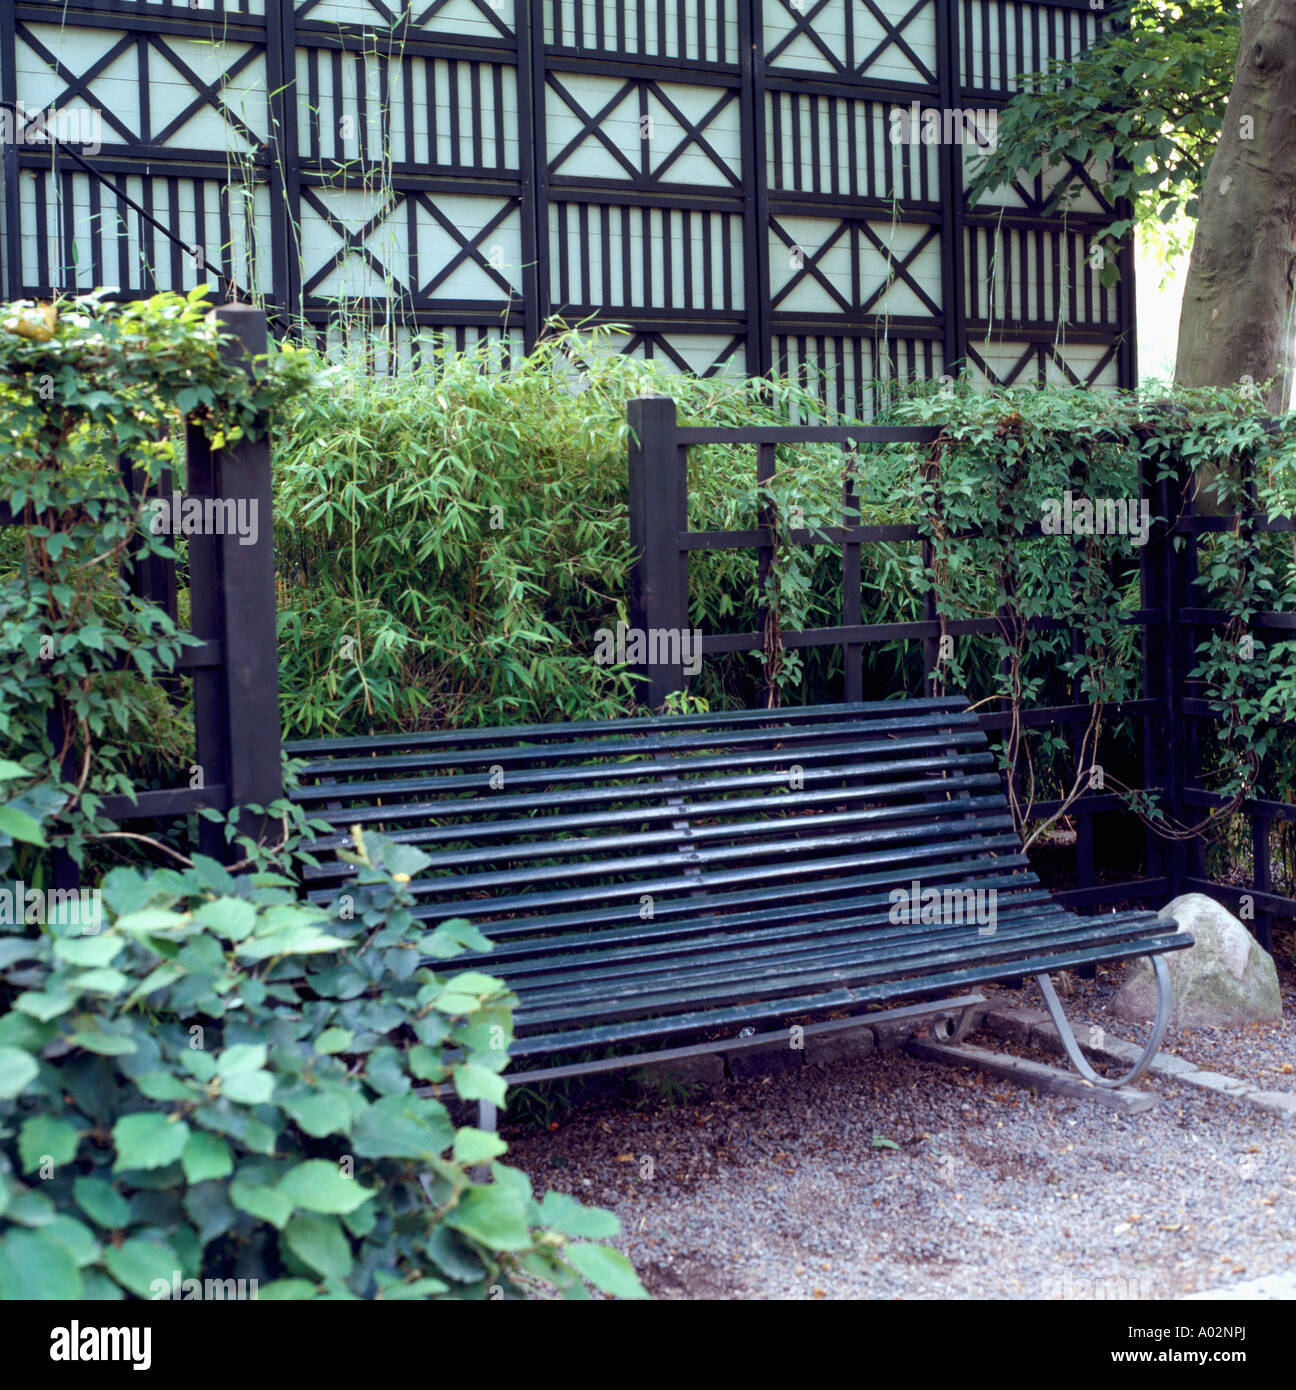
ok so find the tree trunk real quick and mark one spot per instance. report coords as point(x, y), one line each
point(1236, 319)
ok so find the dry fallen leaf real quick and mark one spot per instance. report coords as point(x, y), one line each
point(37, 324)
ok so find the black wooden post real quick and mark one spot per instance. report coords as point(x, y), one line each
point(1175, 659)
point(253, 771)
point(658, 514)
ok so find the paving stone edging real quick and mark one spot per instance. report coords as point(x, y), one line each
point(1036, 1028)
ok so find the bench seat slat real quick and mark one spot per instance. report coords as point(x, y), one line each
point(792, 715)
point(679, 942)
point(660, 811)
point(650, 744)
point(648, 792)
point(851, 998)
point(682, 916)
point(853, 757)
point(872, 931)
point(758, 832)
point(629, 997)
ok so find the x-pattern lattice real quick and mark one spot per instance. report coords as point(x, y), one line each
point(594, 125)
point(404, 19)
point(898, 269)
point(355, 241)
point(803, 26)
point(652, 343)
point(208, 94)
point(1031, 354)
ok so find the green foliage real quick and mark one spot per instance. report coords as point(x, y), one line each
point(1145, 106)
point(85, 386)
point(222, 1083)
point(451, 539)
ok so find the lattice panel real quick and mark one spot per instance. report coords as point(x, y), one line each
point(689, 31)
point(153, 90)
point(853, 373)
point(889, 44)
point(648, 133)
point(477, 19)
point(427, 113)
point(839, 148)
point(1060, 362)
point(77, 235)
point(1003, 40)
point(457, 249)
point(720, 176)
point(620, 260)
point(855, 267)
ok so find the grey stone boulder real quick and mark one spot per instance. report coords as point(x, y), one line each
point(1224, 980)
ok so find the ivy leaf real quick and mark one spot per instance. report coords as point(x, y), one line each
point(101, 1202)
point(495, 1216)
point(36, 1265)
point(265, 1203)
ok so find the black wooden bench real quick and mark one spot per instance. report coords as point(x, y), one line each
point(672, 882)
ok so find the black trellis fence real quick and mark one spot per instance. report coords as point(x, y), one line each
point(1170, 712)
point(231, 588)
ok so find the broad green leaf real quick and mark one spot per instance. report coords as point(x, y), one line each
point(320, 1242)
point(17, 1071)
point(265, 1203)
point(88, 950)
point(494, 1215)
point(101, 1202)
point(478, 1146)
point(45, 1137)
point(334, 1040)
point(317, 1185)
point(476, 1082)
point(242, 1057)
point(281, 1289)
point(249, 1088)
point(139, 1265)
point(149, 1140)
point(606, 1269)
point(403, 1126)
point(319, 1114)
point(37, 1265)
point(21, 826)
point(563, 1213)
point(206, 1156)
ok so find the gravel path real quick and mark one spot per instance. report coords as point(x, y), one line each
point(784, 1187)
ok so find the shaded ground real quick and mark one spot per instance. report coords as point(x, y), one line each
point(789, 1186)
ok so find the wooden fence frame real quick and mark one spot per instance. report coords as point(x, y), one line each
point(235, 670)
point(1170, 709)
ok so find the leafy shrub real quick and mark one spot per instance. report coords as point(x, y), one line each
point(85, 388)
point(215, 1081)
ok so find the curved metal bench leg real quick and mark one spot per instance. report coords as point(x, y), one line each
point(1080, 1062)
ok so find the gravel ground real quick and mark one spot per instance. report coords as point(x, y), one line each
point(787, 1186)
